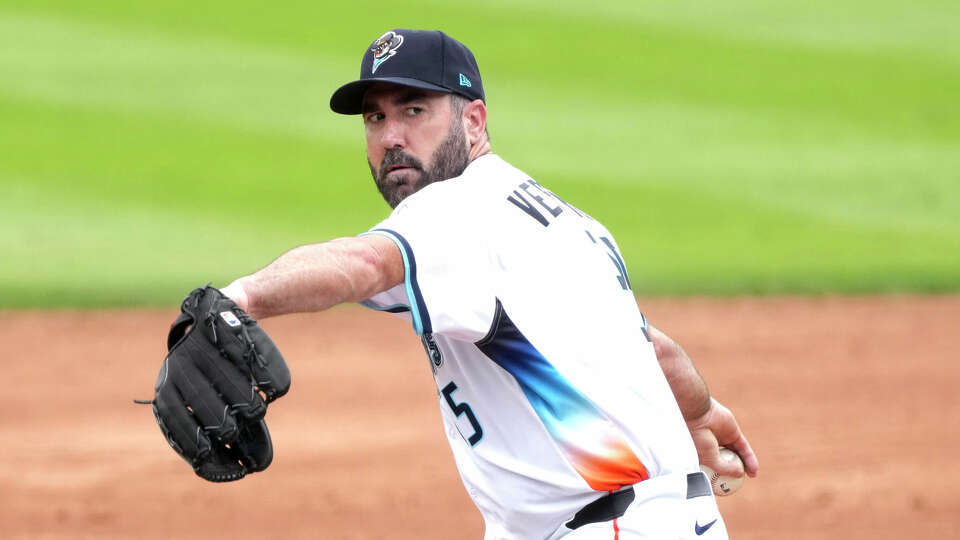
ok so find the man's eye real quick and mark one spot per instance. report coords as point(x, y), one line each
point(413, 111)
point(374, 118)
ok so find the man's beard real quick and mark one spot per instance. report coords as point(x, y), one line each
point(449, 161)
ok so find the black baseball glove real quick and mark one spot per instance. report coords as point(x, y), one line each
point(212, 392)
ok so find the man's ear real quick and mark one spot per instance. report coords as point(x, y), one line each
point(475, 122)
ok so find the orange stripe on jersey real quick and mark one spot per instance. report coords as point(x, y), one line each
point(611, 468)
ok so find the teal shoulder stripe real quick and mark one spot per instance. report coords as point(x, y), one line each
point(418, 308)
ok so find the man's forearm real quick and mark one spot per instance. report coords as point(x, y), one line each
point(711, 424)
point(688, 386)
point(318, 276)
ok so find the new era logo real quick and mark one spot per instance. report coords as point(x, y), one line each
point(465, 81)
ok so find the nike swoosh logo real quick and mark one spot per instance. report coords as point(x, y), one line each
point(700, 530)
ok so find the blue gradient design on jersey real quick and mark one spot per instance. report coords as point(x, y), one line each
point(418, 308)
point(586, 437)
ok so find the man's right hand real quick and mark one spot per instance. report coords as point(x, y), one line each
point(718, 427)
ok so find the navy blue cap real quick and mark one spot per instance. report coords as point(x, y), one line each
point(427, 59)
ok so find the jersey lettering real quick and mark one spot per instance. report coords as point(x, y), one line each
point(526, 186)
point(645, 333)
point(541, 195)
point(554, 195)
point(516, 199)
point(617, 261)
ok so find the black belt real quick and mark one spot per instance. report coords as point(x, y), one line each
point(613, 505)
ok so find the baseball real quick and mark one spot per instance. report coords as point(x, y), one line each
point(721, 484)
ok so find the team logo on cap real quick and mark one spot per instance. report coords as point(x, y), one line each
point(384, 48)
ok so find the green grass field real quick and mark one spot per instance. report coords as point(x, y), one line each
point(754, 147)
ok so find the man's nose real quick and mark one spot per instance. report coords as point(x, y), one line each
point(394, 135)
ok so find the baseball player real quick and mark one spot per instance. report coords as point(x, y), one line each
point(568, 414)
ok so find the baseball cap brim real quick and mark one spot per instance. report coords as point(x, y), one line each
point(348, 99)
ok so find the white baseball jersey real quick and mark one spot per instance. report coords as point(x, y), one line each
point(549, 387)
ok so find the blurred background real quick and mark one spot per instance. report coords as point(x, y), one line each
point(791, 169)
point(752, 147)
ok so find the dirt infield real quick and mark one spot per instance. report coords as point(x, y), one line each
point(851, 404)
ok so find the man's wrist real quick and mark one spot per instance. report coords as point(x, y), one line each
point(236, 292)
point(704, 419)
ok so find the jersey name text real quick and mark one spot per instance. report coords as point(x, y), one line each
point(543, 197)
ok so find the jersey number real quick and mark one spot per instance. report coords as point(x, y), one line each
point(463, 408)
point(616, 259)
